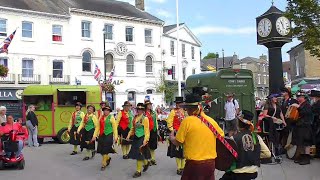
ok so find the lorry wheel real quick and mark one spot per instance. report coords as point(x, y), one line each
point(63, 136)
point(40, 140)
point(55, 139)
point(1, 165)
point(21, 165)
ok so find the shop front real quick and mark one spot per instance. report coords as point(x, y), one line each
point(12, 100)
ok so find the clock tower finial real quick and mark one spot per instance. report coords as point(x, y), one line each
point(272, 2)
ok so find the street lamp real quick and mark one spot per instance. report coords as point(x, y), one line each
point(217, 54)
point(178, 61)
point(223, 58)
point(104, 55)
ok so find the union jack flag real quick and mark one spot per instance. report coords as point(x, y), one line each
point(6, 43)
point(111, 75)
point(97, 73)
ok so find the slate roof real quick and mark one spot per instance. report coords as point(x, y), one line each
point(272, 10)
point(61, 7)
point(170, 27)
point(250, 60)
point(228, 62)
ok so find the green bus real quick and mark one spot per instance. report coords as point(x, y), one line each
point(55, 104)
point(217, 84)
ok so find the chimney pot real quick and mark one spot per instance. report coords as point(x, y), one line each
point(140, 4)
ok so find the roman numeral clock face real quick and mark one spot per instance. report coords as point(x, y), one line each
point(264, 27)
point(283, 26)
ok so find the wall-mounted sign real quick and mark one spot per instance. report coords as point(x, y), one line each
point(11, 94)
point(117, 82)
point(121, 48)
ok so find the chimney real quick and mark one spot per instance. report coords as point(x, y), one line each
point(140, 4)
point(264, 57)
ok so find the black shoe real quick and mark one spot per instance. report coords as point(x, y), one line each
point(153, 163)
point(108, 162)
point(305, 159)
point(93, 153)
point(297, 159)
point(86, 159)
point(74, 153)
point(179, 172)
point(103, 168)
point(126, 157)
point(146, 167)
point(137, 174)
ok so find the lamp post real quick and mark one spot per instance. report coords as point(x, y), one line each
point(217, 61)
point(104, 55)
point(178, 61)
point(223, 58)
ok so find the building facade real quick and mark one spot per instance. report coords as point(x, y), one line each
point(62, 42)
point(260, 70)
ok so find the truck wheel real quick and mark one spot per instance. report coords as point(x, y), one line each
point(63, 136)
point(40, 140)
point(1, 165)
point(55, 139)
point(21, 165)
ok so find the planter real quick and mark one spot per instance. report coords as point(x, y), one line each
point(3, 71)
point(107, 87)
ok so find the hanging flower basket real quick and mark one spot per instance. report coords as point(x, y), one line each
point(108, 87)
point(3, 71)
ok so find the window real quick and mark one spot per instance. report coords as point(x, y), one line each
point(86, 29)
point(149, 91)
point(173, 73)
point(109, 62)
point(193, 71)
point(149, 64)
point(3, 27)
point(183, 46)
point(4, 61)
point(56, 33)
point(86, 61)
point(130, 64)
point(259, 78)
point(172, 48)
point(243, 66)
point(27, 28)
point(192, 52)
point(297, 66)
point(57, 69)
point(108, 31)
point(27, 67)
point(265, 79)
point(69, 98)
point(264, 67)
point(148, 36)
point(184, 73)
point(132, 97)
point(129, 34)
point(111, 100)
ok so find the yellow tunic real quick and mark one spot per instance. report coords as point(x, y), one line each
point(96, 125)
point(145, 123)
point(199, 143)
point(70, 122)
point(171, 118)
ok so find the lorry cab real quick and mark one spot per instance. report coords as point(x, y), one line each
point(214, 86)
point(55, 105)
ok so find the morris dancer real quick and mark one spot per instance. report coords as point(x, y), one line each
point(198, 141)
point(175, 117)
point(141, 132)
point(89, 129)
point(108, 135)
point(124, 121)
point(74, 123)
point(302, 132)
point(153, 126)
point(315, 95)
point(250, 149)
point(99, 113)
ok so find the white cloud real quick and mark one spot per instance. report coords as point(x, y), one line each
point(129, 1)
point(223, 30)
point(164, 13)
point(159, 1)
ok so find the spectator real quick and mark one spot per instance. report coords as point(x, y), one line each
point(32, 124)
point(3, 118)
point(231, 111)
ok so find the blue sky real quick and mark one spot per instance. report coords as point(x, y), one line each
point(220, 24)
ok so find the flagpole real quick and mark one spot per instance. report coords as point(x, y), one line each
point(178, 61)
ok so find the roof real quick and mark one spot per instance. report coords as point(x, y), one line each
point(61, 7)
point(295, 47)
point(228, 62)
point(272, 10)
point(170, 27)
point(250, 60)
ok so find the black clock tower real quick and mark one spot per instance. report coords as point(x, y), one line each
point(273, 31)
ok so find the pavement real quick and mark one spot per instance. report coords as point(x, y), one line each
point(52, 162)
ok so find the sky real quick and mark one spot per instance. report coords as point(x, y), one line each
point(220, 24)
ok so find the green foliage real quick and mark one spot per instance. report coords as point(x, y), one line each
point(3, 71)
point(305, 14)
point(211, 56)
point(168, 88)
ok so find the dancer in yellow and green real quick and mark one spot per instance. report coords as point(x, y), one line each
point(140, 150)
point(74, 123)
point(89, 131)
point(124, 121)
point(108, 135)
point(153, 126)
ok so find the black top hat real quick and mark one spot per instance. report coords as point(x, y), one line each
point(140, 106)
point(78, 104)
point(107, 108)
point(229, 94)
point(102, 102)
point(126, 103)
point(315, 93)
point(94, 108)
point(301, 93)
point(273, 95)
point(179, 100)
point(247, 115)
point(146, 102)
point(192, 100)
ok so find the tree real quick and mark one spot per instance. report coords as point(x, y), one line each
point(305, 15)
point(211, 56)
point(3, 71)
point(168, 88)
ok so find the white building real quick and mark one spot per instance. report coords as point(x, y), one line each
point(60, 41)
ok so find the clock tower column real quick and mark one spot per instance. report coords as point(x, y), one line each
point(273, 31)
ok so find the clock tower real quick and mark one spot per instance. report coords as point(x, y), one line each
point(273, 31)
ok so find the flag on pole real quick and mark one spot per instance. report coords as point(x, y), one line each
point(6, 43)
point(111, 75)
point(97, 73)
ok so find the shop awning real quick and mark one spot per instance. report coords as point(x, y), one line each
point(72, 90)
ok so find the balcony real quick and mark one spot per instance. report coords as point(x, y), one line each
point(63, 80)
point(10, 79)
point(29, 79)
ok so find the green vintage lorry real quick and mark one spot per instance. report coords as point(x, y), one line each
point(214, 86)
point(55, 104)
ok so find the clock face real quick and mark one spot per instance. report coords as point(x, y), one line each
point(264, 27)
point(121, 48)
point(283, 26)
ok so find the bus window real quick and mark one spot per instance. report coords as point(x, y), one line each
point(69, 98)
point(42, 102)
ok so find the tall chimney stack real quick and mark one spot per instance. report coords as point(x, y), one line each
point(140, 4)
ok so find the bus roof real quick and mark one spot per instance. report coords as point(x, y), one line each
point(34, 90)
